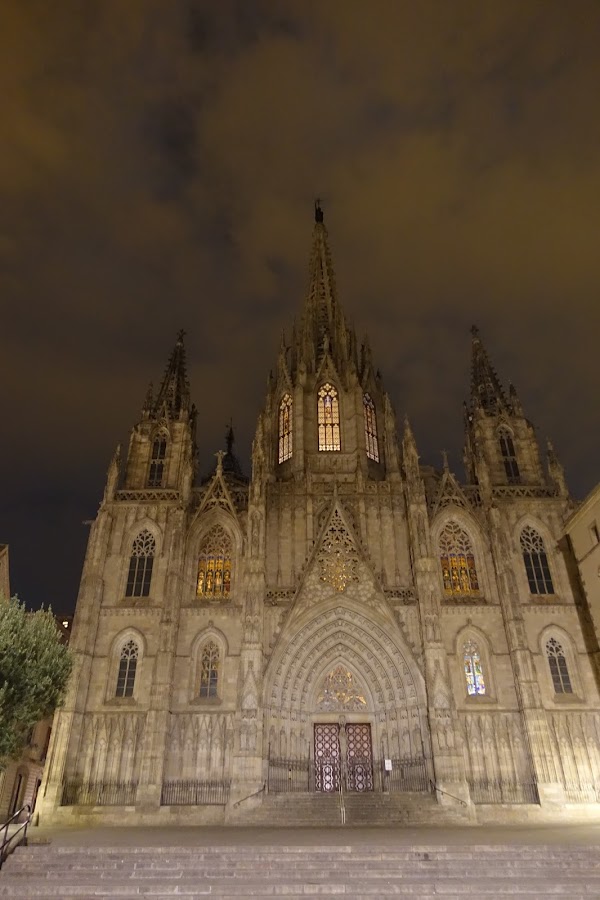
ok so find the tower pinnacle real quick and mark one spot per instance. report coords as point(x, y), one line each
point(486, 390)
point(174, 393)
point(323, 328)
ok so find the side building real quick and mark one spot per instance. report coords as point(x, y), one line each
point(346, 620)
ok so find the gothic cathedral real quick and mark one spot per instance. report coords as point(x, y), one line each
point(347, 630)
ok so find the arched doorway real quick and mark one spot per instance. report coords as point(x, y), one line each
point(342, 693)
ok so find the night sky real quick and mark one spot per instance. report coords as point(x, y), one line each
point(158, 165)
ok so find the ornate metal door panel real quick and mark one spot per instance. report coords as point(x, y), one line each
point(327, 757)
point(360, 758)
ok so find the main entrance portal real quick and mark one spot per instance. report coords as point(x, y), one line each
point(343, 754)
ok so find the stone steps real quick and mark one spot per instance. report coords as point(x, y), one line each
point(290, 871)
point(317, 809)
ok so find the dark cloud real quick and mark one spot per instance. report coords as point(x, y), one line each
point(158, 163)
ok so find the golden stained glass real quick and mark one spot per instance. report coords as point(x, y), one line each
point(285, 428)
point(371, 429)
point(214, 565)
point(458, 562)
point(328, 418)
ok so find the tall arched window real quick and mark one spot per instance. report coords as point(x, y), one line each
point(214, 565)
point(509, 456)
point(127, 668)
point(209, 670)
point(285, 428)
point(157, 461)
point(473, 669)
point(328, 418)
point(536, 562)
point(558, 667)
point(371, 428)
point(457, 559)
point(140, 565)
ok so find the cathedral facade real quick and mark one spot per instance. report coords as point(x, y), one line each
point(345, 623)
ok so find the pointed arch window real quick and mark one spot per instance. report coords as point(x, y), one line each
point(536, 562)
point(473, 669)
point(559, 670)
point(328, 418)
point(209, 670)
point(141, 562)
point(509, 456)
point(214, 565)
point(127, 668)
point(285, 428)
point(458, 561)
point(156, 471)
point(371, 428)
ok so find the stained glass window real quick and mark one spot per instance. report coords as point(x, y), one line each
point(509, 456)
point(157, 462)
point(127, 668)
point(371, 428)
point(214, 565)
point(473, 669)
point(285, 428)
point(140, 565)
point(329, 418)
point(536, 562)
point(558, 667)
point(209, 670)
point(458, 562)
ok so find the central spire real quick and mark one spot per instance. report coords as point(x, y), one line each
point(323, 326)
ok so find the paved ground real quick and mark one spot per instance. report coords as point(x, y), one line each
point(186, 836)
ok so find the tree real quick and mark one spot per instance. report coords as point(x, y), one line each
point(34, 670)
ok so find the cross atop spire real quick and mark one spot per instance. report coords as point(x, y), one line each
point(174, 393)
point(486, 390)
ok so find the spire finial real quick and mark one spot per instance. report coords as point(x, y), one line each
point(445, 465)
point(318, 212)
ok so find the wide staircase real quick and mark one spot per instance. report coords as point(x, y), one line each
point(369, 808)
point(355, 869)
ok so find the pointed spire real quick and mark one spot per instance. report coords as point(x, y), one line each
point(410, 453)
point(323, 328)
point(174, 393)
point(486, 390)
point(231, 463)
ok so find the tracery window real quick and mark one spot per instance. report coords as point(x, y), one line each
point(209, 670)
point(140, 565)
point(214, 565)
point(157, 461)
point(509, 456)
point(558, 667)
point(458, 562)
point(328, 418)
point(371, 428)
point(127, 668)
point(473, 669)
point(285, 428)
point(536, 562)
